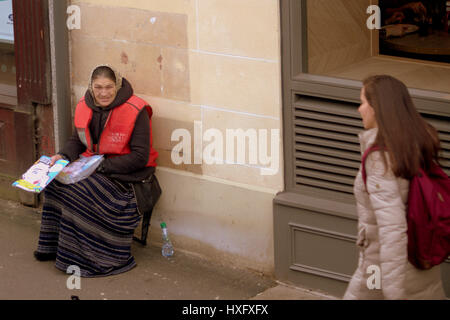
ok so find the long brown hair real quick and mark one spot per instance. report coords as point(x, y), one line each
point(411, 142)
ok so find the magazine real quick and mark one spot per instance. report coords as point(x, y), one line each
point(40, 174)
point(79, 169)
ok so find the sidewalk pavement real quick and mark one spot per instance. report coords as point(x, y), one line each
point(185, 276)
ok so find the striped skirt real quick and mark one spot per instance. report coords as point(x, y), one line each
point(89, 224)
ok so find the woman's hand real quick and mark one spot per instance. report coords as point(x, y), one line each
point(417, 7)
point(55, 158)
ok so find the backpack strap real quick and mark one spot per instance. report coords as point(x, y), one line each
point(363, 162)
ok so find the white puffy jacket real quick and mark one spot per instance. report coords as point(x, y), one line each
point(382, 237)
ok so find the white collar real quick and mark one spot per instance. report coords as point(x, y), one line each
point(367, 138)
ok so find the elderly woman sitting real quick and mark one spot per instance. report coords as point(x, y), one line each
point(91, 223)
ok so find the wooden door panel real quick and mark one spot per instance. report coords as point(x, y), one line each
point(7, 145)
point(31, 31)
point(16, 142)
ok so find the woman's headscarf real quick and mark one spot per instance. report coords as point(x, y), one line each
point(116, 73)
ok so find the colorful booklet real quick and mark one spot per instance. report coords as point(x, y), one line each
point(40, 174)
point(80, 169)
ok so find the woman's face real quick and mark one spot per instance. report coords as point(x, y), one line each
point(104, 91)
point(367, 112)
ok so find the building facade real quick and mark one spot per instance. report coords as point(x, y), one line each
point(328, 48)
point(255, 119)
point(205, 67)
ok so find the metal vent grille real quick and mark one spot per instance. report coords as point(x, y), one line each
point(327, 152)
point(442, 124)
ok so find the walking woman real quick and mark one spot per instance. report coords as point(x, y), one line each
point(392, 123)
point(91, 223)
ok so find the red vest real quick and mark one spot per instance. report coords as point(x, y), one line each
point(115, 137)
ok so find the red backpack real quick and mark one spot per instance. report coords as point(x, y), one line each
point(428, 215)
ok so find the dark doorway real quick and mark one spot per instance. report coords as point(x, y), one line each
point(24, 85)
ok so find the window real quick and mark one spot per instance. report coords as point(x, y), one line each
point(8, 91)
point(414, 47)
point(416, 29)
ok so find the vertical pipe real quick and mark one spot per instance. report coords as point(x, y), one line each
point(60, 66)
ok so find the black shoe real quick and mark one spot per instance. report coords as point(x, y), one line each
point(40, 256)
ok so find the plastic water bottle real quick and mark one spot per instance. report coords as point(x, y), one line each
point(167, 248)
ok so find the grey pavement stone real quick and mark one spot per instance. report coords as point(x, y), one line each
point(185, 276)
point(286, 292)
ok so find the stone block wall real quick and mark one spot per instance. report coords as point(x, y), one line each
point(214, 62)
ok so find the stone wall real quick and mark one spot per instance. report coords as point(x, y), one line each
point(209, 62)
